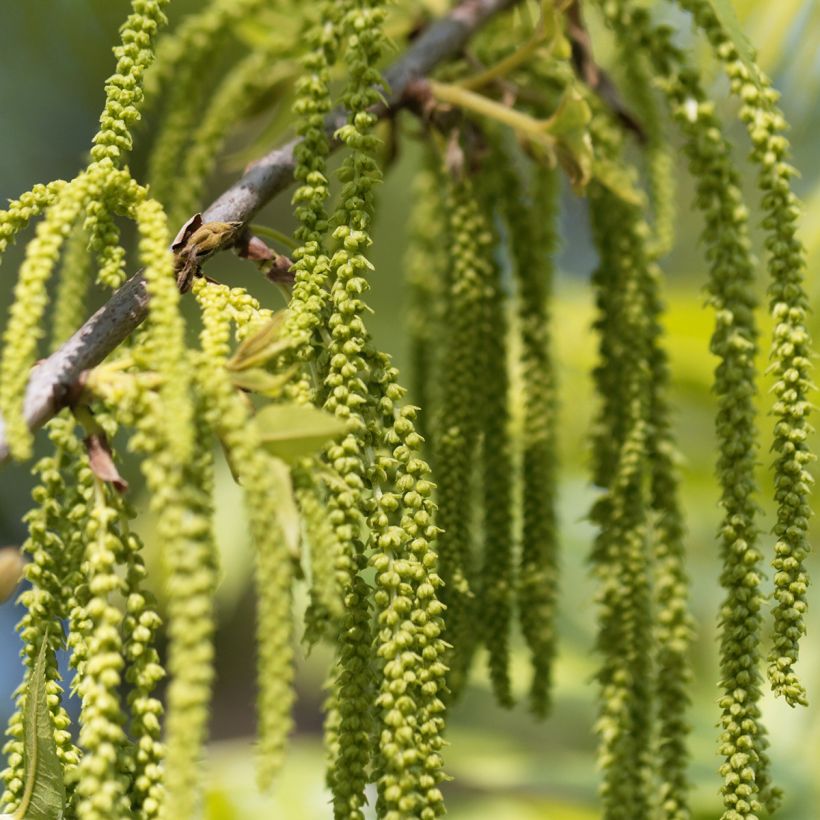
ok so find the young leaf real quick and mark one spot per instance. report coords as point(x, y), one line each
point(569, 125)
point(263, 345)
point(44, 794)
point(257, 380)
point(293, 431)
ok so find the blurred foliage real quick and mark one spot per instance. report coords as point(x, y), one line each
point(57, 55)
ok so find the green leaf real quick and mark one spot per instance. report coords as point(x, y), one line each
point(569, 125)
point(261, 381)
point(263, 345)
point(44, 794)
point(293, 431)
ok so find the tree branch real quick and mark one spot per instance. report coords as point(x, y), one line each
point(51, 380)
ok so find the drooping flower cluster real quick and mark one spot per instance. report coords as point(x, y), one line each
point(408, 580)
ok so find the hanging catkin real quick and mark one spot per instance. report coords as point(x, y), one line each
point(790, 350)
point(72, 290)
point(747, 784)
point(229, 419)
point(425, 268)
point(531, 226)
point(457, 426)
point(348, 398)
point(495, 577)
point(621, 558)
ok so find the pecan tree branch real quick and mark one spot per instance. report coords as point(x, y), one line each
point(51, 380)
point(593, 75)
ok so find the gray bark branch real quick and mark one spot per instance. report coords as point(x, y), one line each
point(51, 380)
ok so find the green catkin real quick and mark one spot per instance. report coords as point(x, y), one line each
point(425, 268)
point(620, 556)
point(747, 787)
point(72, 288)
point(307, 308)
point(165, 342)
point(381, 452)
point(326, 607)
point(143, 673)
point(21, 211)
point(674, 626)
point(533, 241)
point(123, 89)
point(409, 615)
point(495, 584)
point(229, 418)
point(102, 786)
point(659, 155)
point(103, 233)
point(24, 330)
point(790, 351)
point(308, 300)
point(457, 431)
point(53, 555)
point(182, 499)
point(348, 398)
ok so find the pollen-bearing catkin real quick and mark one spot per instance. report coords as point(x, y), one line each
point(621, 558)
point(790, 348)
point(456, 428)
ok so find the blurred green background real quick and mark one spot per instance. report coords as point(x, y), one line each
point(56, 55)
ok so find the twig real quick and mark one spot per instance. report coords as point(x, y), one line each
point(593, 75)
point(51, 380)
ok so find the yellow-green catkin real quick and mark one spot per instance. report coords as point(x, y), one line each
point(457, 429)
point(532, 236)
point(102, 230)
point(425, 268)
point(347, 396)
point(307, 307)
point(144, 671)
point(673, 628)
point(620, 557)
point(747, 787)
point(410, 644)
point(123, 89)
point(670, 584)
point(24, 329)
point(495, 582)
point(72, 289)
point(54, 558)
point(228, 417)
point(308, 300)
point(102, 787)
point(326, 607)
point(658, 152)
point(21, 211)
point(790, 351)
point(181, 497)
point(165, 351)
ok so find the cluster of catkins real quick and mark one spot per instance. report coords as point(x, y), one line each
point(407, 579)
